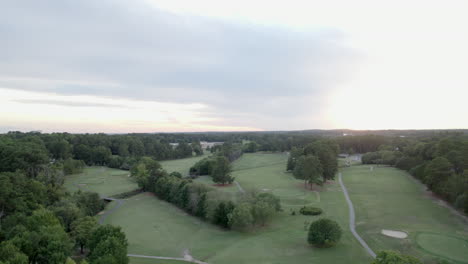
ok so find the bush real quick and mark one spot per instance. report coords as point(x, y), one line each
point(324, 233)
point(309, 210)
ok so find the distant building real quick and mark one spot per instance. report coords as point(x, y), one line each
point(205, 144)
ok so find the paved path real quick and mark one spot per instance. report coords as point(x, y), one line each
point(108, 212)
point(352, 218)
point(239, 187)
point(185, 258)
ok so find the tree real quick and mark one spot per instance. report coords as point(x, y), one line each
point(262, 211)
point(327, 152)
point(391, 257)
point(324, 233)
point(437, 172)
point(201, 206)
point(241, 217)
point(222, 212)
point(89, 202)
point(109, 251)
point(108, 244)
point(10, 254)
point(82, 229)
point(270, 199)
point(293, 157)
point(67, 212)
point(176, 174)
point(309, 169)
point(222, 171)
point(71, 166)
point(251, 147)
point(44, 240)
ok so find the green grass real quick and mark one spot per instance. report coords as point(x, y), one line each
point(157, 228)
point(103, 180)
point(388, 198)
point(181, 165)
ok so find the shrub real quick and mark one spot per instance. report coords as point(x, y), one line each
point(324, 233)
point(309, 210)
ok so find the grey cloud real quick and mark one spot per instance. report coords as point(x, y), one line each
point(149, 54)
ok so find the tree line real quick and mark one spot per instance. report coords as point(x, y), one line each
point(440, 162)
point(250, 210)
point(40, 222)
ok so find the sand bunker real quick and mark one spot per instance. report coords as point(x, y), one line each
point(396, 234)
point(101, 213)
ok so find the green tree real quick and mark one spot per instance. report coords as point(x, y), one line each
point(222, 171)
point(324, 233)
point(10, 254)
point(222, 212)
point(110, 250)
point(391, 257)
point(262, 211)
point(89, 202)
point(201, 206)
point(241, 217)
point(67, 212)
point(82, 229)
point(108, 243)
point(437, 172)
point(71, 166)
point(309, 169)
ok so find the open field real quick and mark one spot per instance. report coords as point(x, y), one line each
point(388, 198)
point(181, 165)
point(157, 228)
point(103, 180)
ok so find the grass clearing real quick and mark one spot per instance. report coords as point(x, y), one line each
point(181, 165)
point(157, 228)
point(103, 180)
point(388, 198)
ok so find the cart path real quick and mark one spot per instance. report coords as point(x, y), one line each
point(239, 187)
point(352, 218)
point(187, 258)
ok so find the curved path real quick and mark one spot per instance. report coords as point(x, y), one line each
point(352, 218)
point(187, 258)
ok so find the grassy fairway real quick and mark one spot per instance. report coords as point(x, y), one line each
point(154, 227)
point(181, 165)
point(388, 198)
point(102, 180)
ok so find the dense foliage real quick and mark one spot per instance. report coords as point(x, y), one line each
point(391, 257)
point(310, 210)
point(315, 163)
point(324, 233)
point(39, 221)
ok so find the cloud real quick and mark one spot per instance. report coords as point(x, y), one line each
point(247, 74)
point(68, 103)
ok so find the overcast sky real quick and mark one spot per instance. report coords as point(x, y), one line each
point(206, 65)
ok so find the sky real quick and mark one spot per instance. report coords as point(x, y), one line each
point(118, 66)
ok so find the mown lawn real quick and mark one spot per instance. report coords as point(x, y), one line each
point(388, 198)
point(154, 227)
point(103, 180)
point(181, 165)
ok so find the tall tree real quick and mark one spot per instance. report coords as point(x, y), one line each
point(309, 169)
point(222, 171)
point(82, 229)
